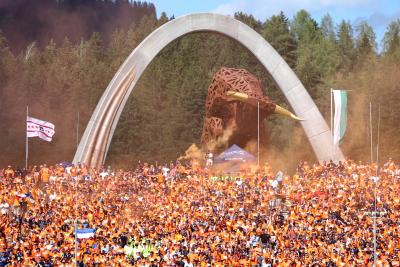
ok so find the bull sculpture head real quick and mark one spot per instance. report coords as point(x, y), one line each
point(232, 110)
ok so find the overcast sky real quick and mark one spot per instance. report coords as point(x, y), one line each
point(378, 13)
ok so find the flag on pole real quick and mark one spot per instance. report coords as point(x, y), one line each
point(38, 128)
point(85, 233)
point(340, 117)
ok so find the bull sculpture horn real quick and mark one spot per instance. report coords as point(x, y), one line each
point(247, 99)
point(282, 111)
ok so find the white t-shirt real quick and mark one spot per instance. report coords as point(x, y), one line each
point(52, 196)
point(165, 171)
point(4, 208)
point(274, 183)
point(210, 157)
point(103, 174)
point(188, 264)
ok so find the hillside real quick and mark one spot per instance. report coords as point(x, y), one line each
point(27, 21)
point(164, 114)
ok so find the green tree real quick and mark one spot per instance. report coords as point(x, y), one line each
point(276, 32)
point(95, 47)
point(327, 28)
point(317, 57)
point(365, 41)
point(7, 103)
point(163, 19)
point(145, 27)
point(4, 54)
point(305, 28)
point(328, 49)
point(345, 44)
point(391, 40)
point(249, 20)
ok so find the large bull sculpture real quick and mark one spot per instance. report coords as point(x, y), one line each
point(231, 110)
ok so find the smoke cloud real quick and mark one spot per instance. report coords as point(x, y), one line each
point(222, 141)
point(193, 153)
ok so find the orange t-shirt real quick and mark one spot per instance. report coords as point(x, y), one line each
point(9, 173)
point(73, 172)
point(45, 174)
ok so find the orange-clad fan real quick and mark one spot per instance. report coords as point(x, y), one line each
point(9, 172)
point(181, 215)
point(44, 174)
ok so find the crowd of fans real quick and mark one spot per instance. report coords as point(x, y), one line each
point(183, 215)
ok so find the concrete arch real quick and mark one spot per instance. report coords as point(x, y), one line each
point(97, 137)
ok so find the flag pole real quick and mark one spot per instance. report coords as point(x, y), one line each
point(76, 243)
point(331, 124)
point(374, 217)
point(375, 182)
point(377, 144)
point(77, 132)
point(76, 224)
point(26, 139)
point(258, 134)
point(76, 192)
point(370, 129)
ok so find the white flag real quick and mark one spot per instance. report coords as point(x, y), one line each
point(38, 128)
point(85, 233)
point(340, 118)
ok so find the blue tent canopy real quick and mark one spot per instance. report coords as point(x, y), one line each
point(66, 164)
point(235, 154)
